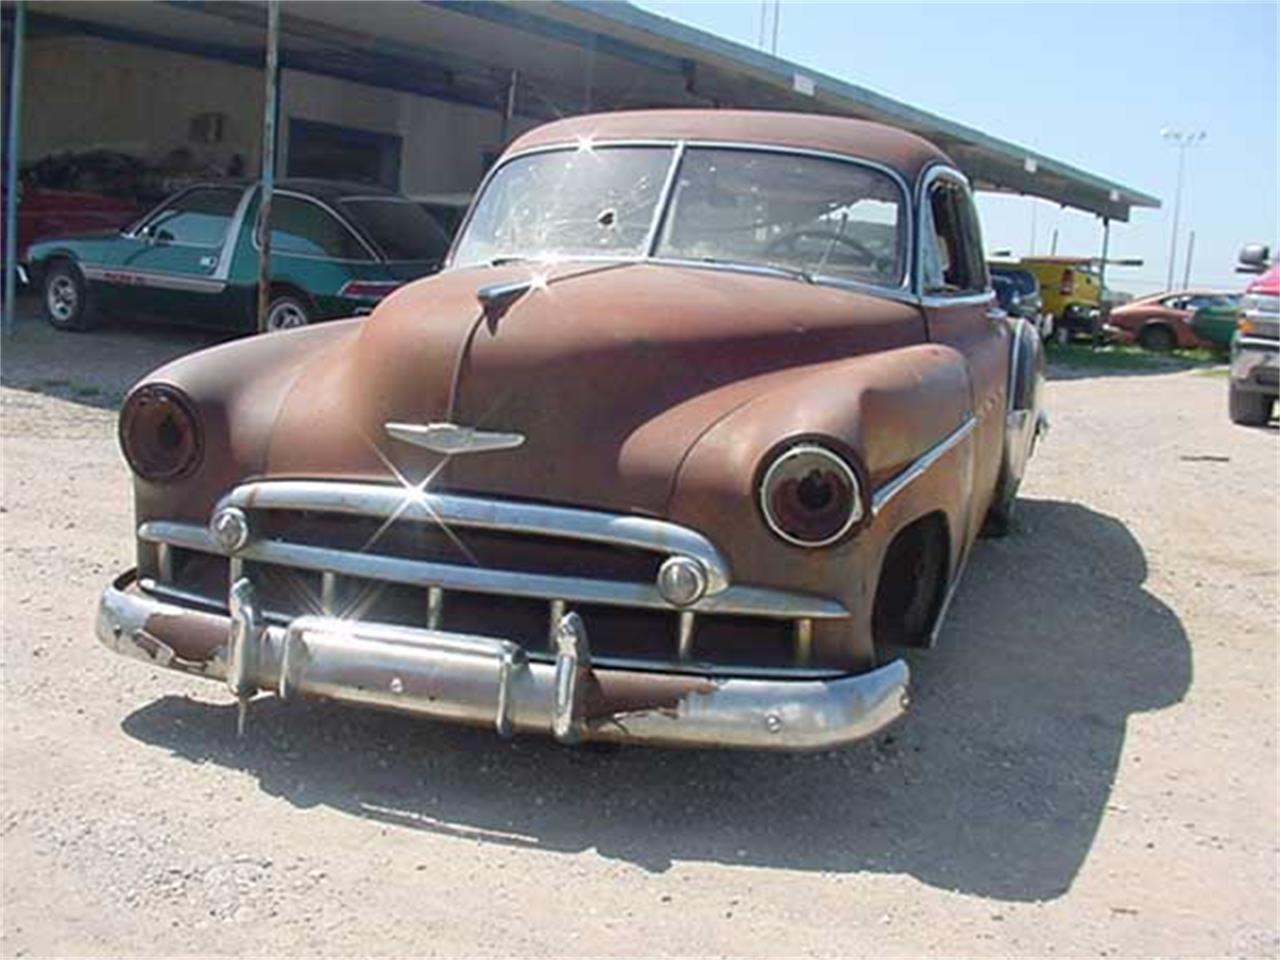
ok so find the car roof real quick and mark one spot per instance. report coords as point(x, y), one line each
point(904, 152)
point(328, 190)
point(335, 189)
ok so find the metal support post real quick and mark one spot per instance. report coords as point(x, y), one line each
point(13, 143)
point(272, 85)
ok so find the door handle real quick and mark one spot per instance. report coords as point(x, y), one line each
point(208, 261)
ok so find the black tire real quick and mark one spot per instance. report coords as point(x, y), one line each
point(65, 297)
point(999, 519)
point(1249, 409)
point(288, 311)
point(1157, 338)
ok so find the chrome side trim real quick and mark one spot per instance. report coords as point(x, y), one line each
point(382, 501)
point(885, 494)
point(152, 278)
point(738, 599)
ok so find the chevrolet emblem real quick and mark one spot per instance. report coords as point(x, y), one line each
point(451, 439)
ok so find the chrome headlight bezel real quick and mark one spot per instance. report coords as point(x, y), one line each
point(149, 411)
point(814, 452)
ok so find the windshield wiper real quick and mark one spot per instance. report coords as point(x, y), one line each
point(793, 272)
point(506, 259)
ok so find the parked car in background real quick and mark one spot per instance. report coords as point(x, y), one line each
point(695, 431)
point(336, 250)
point(1071, 292)
point(1255, 347)
point(1216, 325)
point(1162, 321)
point(50, 213)
point(448, 210)
point(1019, 294)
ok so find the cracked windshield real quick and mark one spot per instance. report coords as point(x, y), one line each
point(794, 212)
point(568, 203)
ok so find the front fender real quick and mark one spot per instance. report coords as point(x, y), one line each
point(237, 389)
point(887, 409)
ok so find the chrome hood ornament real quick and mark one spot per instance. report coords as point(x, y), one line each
point(451, 439)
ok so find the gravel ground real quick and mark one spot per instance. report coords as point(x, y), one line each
point(1089, 768)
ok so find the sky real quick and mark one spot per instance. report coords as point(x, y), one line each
point(1092, 85)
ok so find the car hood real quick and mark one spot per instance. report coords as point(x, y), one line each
point(609, 372)
point(86, 239)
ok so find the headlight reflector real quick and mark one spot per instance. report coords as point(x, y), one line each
point(159, 433)
point(810, 496)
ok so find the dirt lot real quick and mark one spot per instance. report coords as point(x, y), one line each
point(1089, 768)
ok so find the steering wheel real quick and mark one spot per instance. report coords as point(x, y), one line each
point(787, 241)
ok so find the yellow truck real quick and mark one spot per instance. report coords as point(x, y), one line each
point(1070, 290)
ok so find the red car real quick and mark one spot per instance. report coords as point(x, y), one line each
point(55, 213)
point(1162, 321)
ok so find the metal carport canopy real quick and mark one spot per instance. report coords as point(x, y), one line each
point(569, 56)
point(735, 75)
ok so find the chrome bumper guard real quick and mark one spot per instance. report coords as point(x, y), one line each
point(483, 680)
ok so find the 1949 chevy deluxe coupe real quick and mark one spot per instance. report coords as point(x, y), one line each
point(697, 426)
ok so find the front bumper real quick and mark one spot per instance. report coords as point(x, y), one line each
point(1255, 364)
point(483, 680)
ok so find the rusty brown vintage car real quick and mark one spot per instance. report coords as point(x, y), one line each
point(696, 430)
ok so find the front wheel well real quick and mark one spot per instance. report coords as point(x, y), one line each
point(283, 288)
point(912, 583)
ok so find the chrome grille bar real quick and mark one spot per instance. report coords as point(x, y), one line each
point(735, 599)
point(385, 502)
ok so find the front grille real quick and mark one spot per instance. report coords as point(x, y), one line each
point(510, 583)
point(480, 548)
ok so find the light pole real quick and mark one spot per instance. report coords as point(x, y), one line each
point(1182, 139)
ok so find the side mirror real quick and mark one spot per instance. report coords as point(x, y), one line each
point(1254, 258)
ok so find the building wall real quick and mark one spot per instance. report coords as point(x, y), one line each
point(85, 92)
point(443, 143)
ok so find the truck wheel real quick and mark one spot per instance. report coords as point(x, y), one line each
point(999, 519)
point(1249, 409)
point(1157, 338)
point(66, 297)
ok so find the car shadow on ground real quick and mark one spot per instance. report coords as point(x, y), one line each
point(95, 368)
point(994, 785)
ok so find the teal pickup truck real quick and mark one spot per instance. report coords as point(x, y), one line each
point(336, 250)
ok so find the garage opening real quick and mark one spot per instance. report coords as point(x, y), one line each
point(332, 152)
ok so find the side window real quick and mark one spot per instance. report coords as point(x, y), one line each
point(301, 227)
point(951, 261)
point(199, 217)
